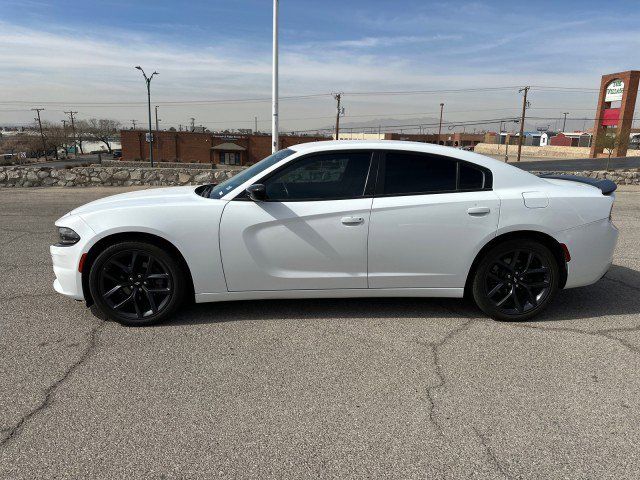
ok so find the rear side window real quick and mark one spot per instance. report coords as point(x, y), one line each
point(407, 173)
point(471, 178)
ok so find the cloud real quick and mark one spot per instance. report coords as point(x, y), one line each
point(378, 42)
point(54, 63)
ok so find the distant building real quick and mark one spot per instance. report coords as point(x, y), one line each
point(457, 139)
point(204, 147)
point(571, 139)
point(546, 137)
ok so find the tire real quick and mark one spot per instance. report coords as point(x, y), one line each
point(515, 280)
point(136, 283)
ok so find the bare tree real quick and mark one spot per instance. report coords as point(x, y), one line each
point(56, 137)
point(104, 130)
point(82, 133)
point(608, 143)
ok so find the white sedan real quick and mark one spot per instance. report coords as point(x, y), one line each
point(342, 219)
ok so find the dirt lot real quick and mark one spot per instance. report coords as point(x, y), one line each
point(396, 388)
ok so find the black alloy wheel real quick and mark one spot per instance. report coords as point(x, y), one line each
point(136, 283)
point(516, 280)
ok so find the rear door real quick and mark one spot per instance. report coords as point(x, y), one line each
point(309, 233)
point(428, 218)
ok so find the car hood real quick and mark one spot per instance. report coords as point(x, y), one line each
point(141, 198)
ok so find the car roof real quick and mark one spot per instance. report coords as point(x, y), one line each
point(421, 147)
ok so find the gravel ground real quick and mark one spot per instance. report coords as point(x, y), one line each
point(397, 388)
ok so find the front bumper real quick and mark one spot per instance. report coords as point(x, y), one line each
point(591, 247)
point(67, 259)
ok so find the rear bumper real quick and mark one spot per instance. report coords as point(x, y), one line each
point(591, 247)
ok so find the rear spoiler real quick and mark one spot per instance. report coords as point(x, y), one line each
point(606, 186)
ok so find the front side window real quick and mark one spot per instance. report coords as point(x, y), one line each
point(409, 173)
point(329, 176)
point(225, 187)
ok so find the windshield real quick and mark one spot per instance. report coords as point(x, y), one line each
point(225, 187)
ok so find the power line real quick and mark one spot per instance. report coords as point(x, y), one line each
point(306, 96)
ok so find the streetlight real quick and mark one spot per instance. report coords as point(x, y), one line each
point(274, 82)
point(148, 82)
point(440, 125)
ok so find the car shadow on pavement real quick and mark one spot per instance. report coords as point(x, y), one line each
point(324, 308)
point(618, 293)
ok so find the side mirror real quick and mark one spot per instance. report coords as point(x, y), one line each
point(257, 192)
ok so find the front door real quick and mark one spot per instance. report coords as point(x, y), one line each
point(427, 220)
point(309, 233)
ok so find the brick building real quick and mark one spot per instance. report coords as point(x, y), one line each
point(195, 147)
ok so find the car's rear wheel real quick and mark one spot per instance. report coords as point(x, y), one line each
point(516, 280)
point(136, 283)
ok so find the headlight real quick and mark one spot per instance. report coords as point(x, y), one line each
point(67, 237)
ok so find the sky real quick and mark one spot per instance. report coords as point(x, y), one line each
point(80, 55)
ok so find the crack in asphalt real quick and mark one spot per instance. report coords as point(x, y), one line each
point(490, 454)
point(604, 333)
point(16, 237)
point(12, 432)
point(29, 295)
point(434, 348)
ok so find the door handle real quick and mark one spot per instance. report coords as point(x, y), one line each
point(478, 211)
point(352, 220)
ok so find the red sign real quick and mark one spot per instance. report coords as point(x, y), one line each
point(610, 117)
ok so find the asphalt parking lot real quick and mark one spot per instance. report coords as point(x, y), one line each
point(396, 388)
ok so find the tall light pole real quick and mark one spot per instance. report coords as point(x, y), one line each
point(148, 82)
point(440, 126)
point(274, 82)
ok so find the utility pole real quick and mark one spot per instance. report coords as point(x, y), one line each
point(338, 97)
point(524, 111)
point(133, 122)
point(440, 125)
point(564, 123)
point(71, 113)
point(44, 143)
point(274, 83)
point(148, 82)
point(255, 120)
point(157, 129)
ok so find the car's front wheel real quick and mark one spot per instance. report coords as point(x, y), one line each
point(136, 283)
point(515, 280)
